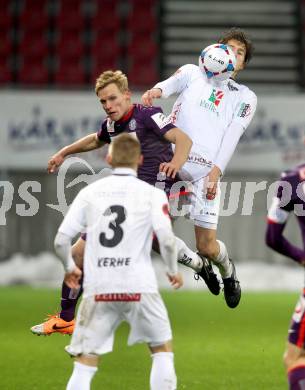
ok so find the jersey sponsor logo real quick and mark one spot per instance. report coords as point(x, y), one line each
point(175, 113)
point(113, 261)
point(216, 97)
point(231, 87)
point(161, 120)
point(209, 106)
point(245, 110)
point(132, 124)
point(122, 297)
point(197, 159)
point(213, 101)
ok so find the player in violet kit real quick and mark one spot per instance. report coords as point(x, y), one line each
point(290, 199)
point(155, 134)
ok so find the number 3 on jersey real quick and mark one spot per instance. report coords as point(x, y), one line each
point(114, 225)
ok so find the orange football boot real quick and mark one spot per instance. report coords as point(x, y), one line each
point(53, 324)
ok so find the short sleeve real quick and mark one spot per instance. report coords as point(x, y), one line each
point(155, 120)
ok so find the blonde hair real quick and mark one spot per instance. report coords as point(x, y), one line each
point(125, 151)
point(109, 76)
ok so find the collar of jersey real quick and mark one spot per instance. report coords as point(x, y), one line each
point(126, 117)
point(124, 172)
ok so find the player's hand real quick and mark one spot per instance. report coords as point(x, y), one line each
point(212, 182)
point(169, 168)
point(175, 280)
point(54, 162)
point(150, 95)
point(72, 278)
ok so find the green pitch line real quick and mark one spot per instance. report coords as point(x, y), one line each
point(215, 347)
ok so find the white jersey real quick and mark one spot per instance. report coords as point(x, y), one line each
point(119, 214)
point(212, 113)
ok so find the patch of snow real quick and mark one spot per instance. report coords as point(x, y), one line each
point(46, 270)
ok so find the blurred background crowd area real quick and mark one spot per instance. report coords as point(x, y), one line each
point(60, 44)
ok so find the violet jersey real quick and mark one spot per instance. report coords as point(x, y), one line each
point(290, 199)
point(119, 214)
point(149, 124)
point(213, 114)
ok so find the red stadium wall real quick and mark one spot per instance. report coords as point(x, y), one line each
point(68, 43)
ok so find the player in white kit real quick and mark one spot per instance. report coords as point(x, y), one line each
point(214, 114)
point(119, 214)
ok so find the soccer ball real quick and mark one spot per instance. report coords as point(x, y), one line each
point(218, 61)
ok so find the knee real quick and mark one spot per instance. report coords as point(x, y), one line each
point(78, 254)
point(208, 248)
point(166, 347)
point(288, 359)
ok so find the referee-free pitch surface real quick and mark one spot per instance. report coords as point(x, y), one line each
point(215, 347)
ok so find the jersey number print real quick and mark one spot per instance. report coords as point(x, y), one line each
point(114, 225)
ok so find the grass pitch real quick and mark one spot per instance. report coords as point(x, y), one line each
point(215, 347)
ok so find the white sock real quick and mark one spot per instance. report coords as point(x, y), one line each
point(162, 375)
point(81, 377)
point(187, 257)
point(223, 262)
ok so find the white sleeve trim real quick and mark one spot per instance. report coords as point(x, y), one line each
point(275, 213)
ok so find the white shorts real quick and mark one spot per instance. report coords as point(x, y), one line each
point(195, 206)
point(97, 322)
point(204, 212)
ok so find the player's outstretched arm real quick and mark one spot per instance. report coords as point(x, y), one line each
point(85, 144)
point(183, 145)
point(275, 239)
point(150, 95)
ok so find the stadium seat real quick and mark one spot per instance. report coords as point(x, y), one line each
point(6, 74)
point(70, 74)
point(69, 46)
point(141, 21)
point(142, 48)
point(101, 65)
point(105, 8)
point(109, 25)
point(72, 20)
point(143, 74)
point(6, 20)
point(33, 46)
point(33, 73)
point(6, 45)
point(34, 19)
point(105, 46)
point(35, 5)
point(70, 16)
